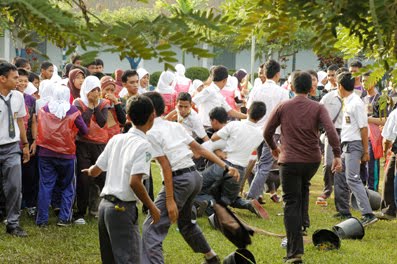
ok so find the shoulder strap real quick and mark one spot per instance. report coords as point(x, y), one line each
point(340, 109)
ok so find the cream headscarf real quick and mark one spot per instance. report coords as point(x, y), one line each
point(164, 85)
point(89, 84)
point(60, 104)
point(193, 88)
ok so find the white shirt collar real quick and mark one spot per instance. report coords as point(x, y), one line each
point(138, 132)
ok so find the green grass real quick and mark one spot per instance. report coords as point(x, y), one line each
point(79, 244)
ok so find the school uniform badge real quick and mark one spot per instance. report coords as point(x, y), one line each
point(347, 119)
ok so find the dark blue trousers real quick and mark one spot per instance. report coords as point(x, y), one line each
point(51, 170)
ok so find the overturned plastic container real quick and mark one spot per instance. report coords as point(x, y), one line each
point(324, 239)
point(351, 228)
point(374, 198)
point(240, 256)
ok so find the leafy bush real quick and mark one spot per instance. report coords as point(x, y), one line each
point(154, 78)
point(199, 73)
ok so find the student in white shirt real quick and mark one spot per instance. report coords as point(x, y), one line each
point(173, 148)
point(126, 159)
point(241, 137)
point(211, 97)
point(354, 138)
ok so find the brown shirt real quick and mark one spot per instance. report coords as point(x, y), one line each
point(300, 119)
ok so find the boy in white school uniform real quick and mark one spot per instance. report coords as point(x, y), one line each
point(354, 138)
point(173, 148)
point(126, 159)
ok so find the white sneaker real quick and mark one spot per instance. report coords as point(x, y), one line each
point(284, 242)
point(80, 221)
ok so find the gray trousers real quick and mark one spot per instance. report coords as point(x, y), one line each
point(186, 187)
point(11, 179)
point(119, 236)
point(263, 167)
point(349, 178)
point(328, 175)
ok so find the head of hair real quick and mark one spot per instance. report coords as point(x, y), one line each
point(21, 62)
point(99, 74)
point(333, 67)
point(262, 65)
point(367, 74)
point(313, 73)
point(127, 74)
point(66, 70)
point(219, 114)
point(347, 80)
point(219, 73)
point(157, 101)
point(356, 63)
point(99, 62)
point(257, 110)
point(184, 97)
point(139, 109)
point(75, 58)
point(272, 67)
point(84, 69)
point(33, 76)
point(5, 68)
point(45, 65)
point(340, 70)
point(302, 82)
point(90, 63)
point(23, 72)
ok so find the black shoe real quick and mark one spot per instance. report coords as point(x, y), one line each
point(341, 216)
point(17, 231)
point(304, 231)
point(214, 260)
point(63, 223)
point(368, 219)
point(201, 206)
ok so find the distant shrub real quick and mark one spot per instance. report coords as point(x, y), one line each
point(199, 73)
point(154, 78)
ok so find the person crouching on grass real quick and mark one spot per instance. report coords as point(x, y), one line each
point(126, 159)
point(299, 156)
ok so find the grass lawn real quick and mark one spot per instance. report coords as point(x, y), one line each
point(79, 244)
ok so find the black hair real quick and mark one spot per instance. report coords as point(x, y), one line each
point(99, 74)
point(5, 68)
point(272, 67)
point(219, 114)
point(347, 80)
point(219, 73)
point(33, 76)
point(90, 63)
point(157, 101)
point(333, 67)
point(66, 70)
point(184, 97)
point(302, 82)
point(342, 69)
point(21, 62)
point(45, 65)
point(139, 109)
point(84, 69)
point(262, 65)
point(356, 64)
point(127, 74)
point(75, 58)
point(313, 73)
point(368, 73)
point(99, 62)
point(23, 72)
point(257, 110)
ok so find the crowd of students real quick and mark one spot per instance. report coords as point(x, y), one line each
point(87, 141)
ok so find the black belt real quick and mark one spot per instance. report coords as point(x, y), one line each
point(182, 171)
point(234, 165)
point(114, 199)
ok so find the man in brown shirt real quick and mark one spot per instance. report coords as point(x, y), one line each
point(299, 155)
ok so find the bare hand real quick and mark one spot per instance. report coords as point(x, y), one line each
point(222, 155)
point(25, 154)
point(234, 173)
point(111, 97)
point(155, 213)
point(172, 210)
point(365, 157)
point(33, 148)
point(172, 116)
point(276, 152)
point(336, 165)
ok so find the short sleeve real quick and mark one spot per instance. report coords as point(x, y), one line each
point(224, 133)
point(103, 159)
point(361, 116)
point(157, 149)
point(200, 97)
point(198, 127)
point(21, 111)
point(141, 162)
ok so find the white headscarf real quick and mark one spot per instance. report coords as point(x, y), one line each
point(164, 85)
point(180, 77)
point(141, 73)
point(31, 89)
point(193, 88)
point(55, 77)
point(321, 75)
point(60, 104)
point(89, 84)
point(180, 70)
point(46, 92)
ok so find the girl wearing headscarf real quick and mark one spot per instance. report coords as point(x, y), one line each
point(164, 87)
point(181, 83)
point(117, 116)
point(119, 84)
point(58, 124)
point(196, 87)
point(94, 111)
point(76, 79)
point(144, 78)
point(230, 91)
point(46, 91)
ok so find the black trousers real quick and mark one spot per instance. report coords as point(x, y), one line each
point(295, 180)
point(388, 205)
